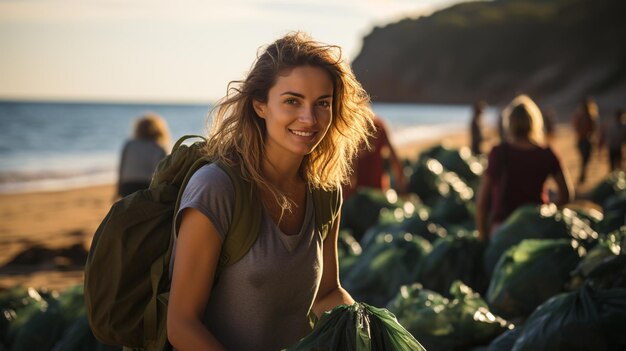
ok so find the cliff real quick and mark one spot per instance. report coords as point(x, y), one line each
point(557, 51)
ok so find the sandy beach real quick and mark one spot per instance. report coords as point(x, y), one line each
point(45, 236)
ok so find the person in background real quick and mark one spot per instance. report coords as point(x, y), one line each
point(142, 153)
point(370, 165)
point(549, 121)
point(613, 136)
point(584, 122)
point(518, 169)
point(501, 131)
point(291, 127)
point(476, 132)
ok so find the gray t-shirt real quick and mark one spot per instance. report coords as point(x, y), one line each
point(262, 301)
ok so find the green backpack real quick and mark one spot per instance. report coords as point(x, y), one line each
point(127, 271)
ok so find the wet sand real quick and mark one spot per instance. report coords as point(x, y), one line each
point(47, 234)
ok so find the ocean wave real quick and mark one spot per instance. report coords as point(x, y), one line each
point(412, 134)
point(21, 182)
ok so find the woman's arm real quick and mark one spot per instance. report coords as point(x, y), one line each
point(330, 293)
point(483, 205)
point(197, 253)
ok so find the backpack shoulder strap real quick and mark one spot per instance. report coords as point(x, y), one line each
point(327, 204)
point(245, 223)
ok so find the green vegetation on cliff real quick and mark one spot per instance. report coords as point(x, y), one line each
point(554, 50)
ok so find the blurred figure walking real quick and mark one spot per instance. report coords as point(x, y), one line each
point(585, 124)
point(370, 165)
point(518, 169)
point(549, 121)
point(613, 136)
point(476, 127)
point(142, 153)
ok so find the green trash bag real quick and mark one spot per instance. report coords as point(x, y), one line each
point(413, 219)
point(608, 246)
point(384, 266)
point(505, 341)
point(17, 307)
point(611, 185)
point(587, 213)
point(431, 182)
point(425, 180)
point(609, 274)
point(348, 251)
point(78, 337)
point(45, 327)
point(537, 222)
point(359, 327)
point(361, 210)
point(585, 319)
point(453, 209)
point(460, 161)
point(442, 324)
point(614, 213)
point(530, 273)
point(455, 257)
point(11, 300)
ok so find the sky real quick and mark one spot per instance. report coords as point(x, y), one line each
point(166, 51)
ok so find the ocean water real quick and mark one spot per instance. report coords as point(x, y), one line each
point(54, 146)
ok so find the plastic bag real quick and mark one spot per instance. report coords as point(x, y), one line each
point(505, 341)
point(17, 307)
point(361, 210)
point(413, 219)
point(455, 257)
point(348, 251)
point(614, 213)
point(530, 273)
point(359, 327)
point(608, 246)
point(460, 161)
point(614, 183)
point(537, 222)
point(78, 337)
point(611, 273)
point(389, 262)
point(443, 324)
point(46, 326)
point(585, 319)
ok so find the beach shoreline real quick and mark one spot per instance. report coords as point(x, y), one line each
point(33, 222)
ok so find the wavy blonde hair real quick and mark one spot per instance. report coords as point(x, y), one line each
point(522, 119)
point(237, 135)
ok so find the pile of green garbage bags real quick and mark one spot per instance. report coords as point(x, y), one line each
point(584, 319)
point(549, 278)
point(447, 324)
point(387, 263)
point(32, 319)
point(422, 248)
point(537, 222)
point(530, 273)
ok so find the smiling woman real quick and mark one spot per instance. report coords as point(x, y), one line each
point(289, 130)
point(297, 113)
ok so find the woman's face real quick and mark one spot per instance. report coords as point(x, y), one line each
point(298, 111)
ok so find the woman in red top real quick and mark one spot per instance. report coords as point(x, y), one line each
point(518, 169)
